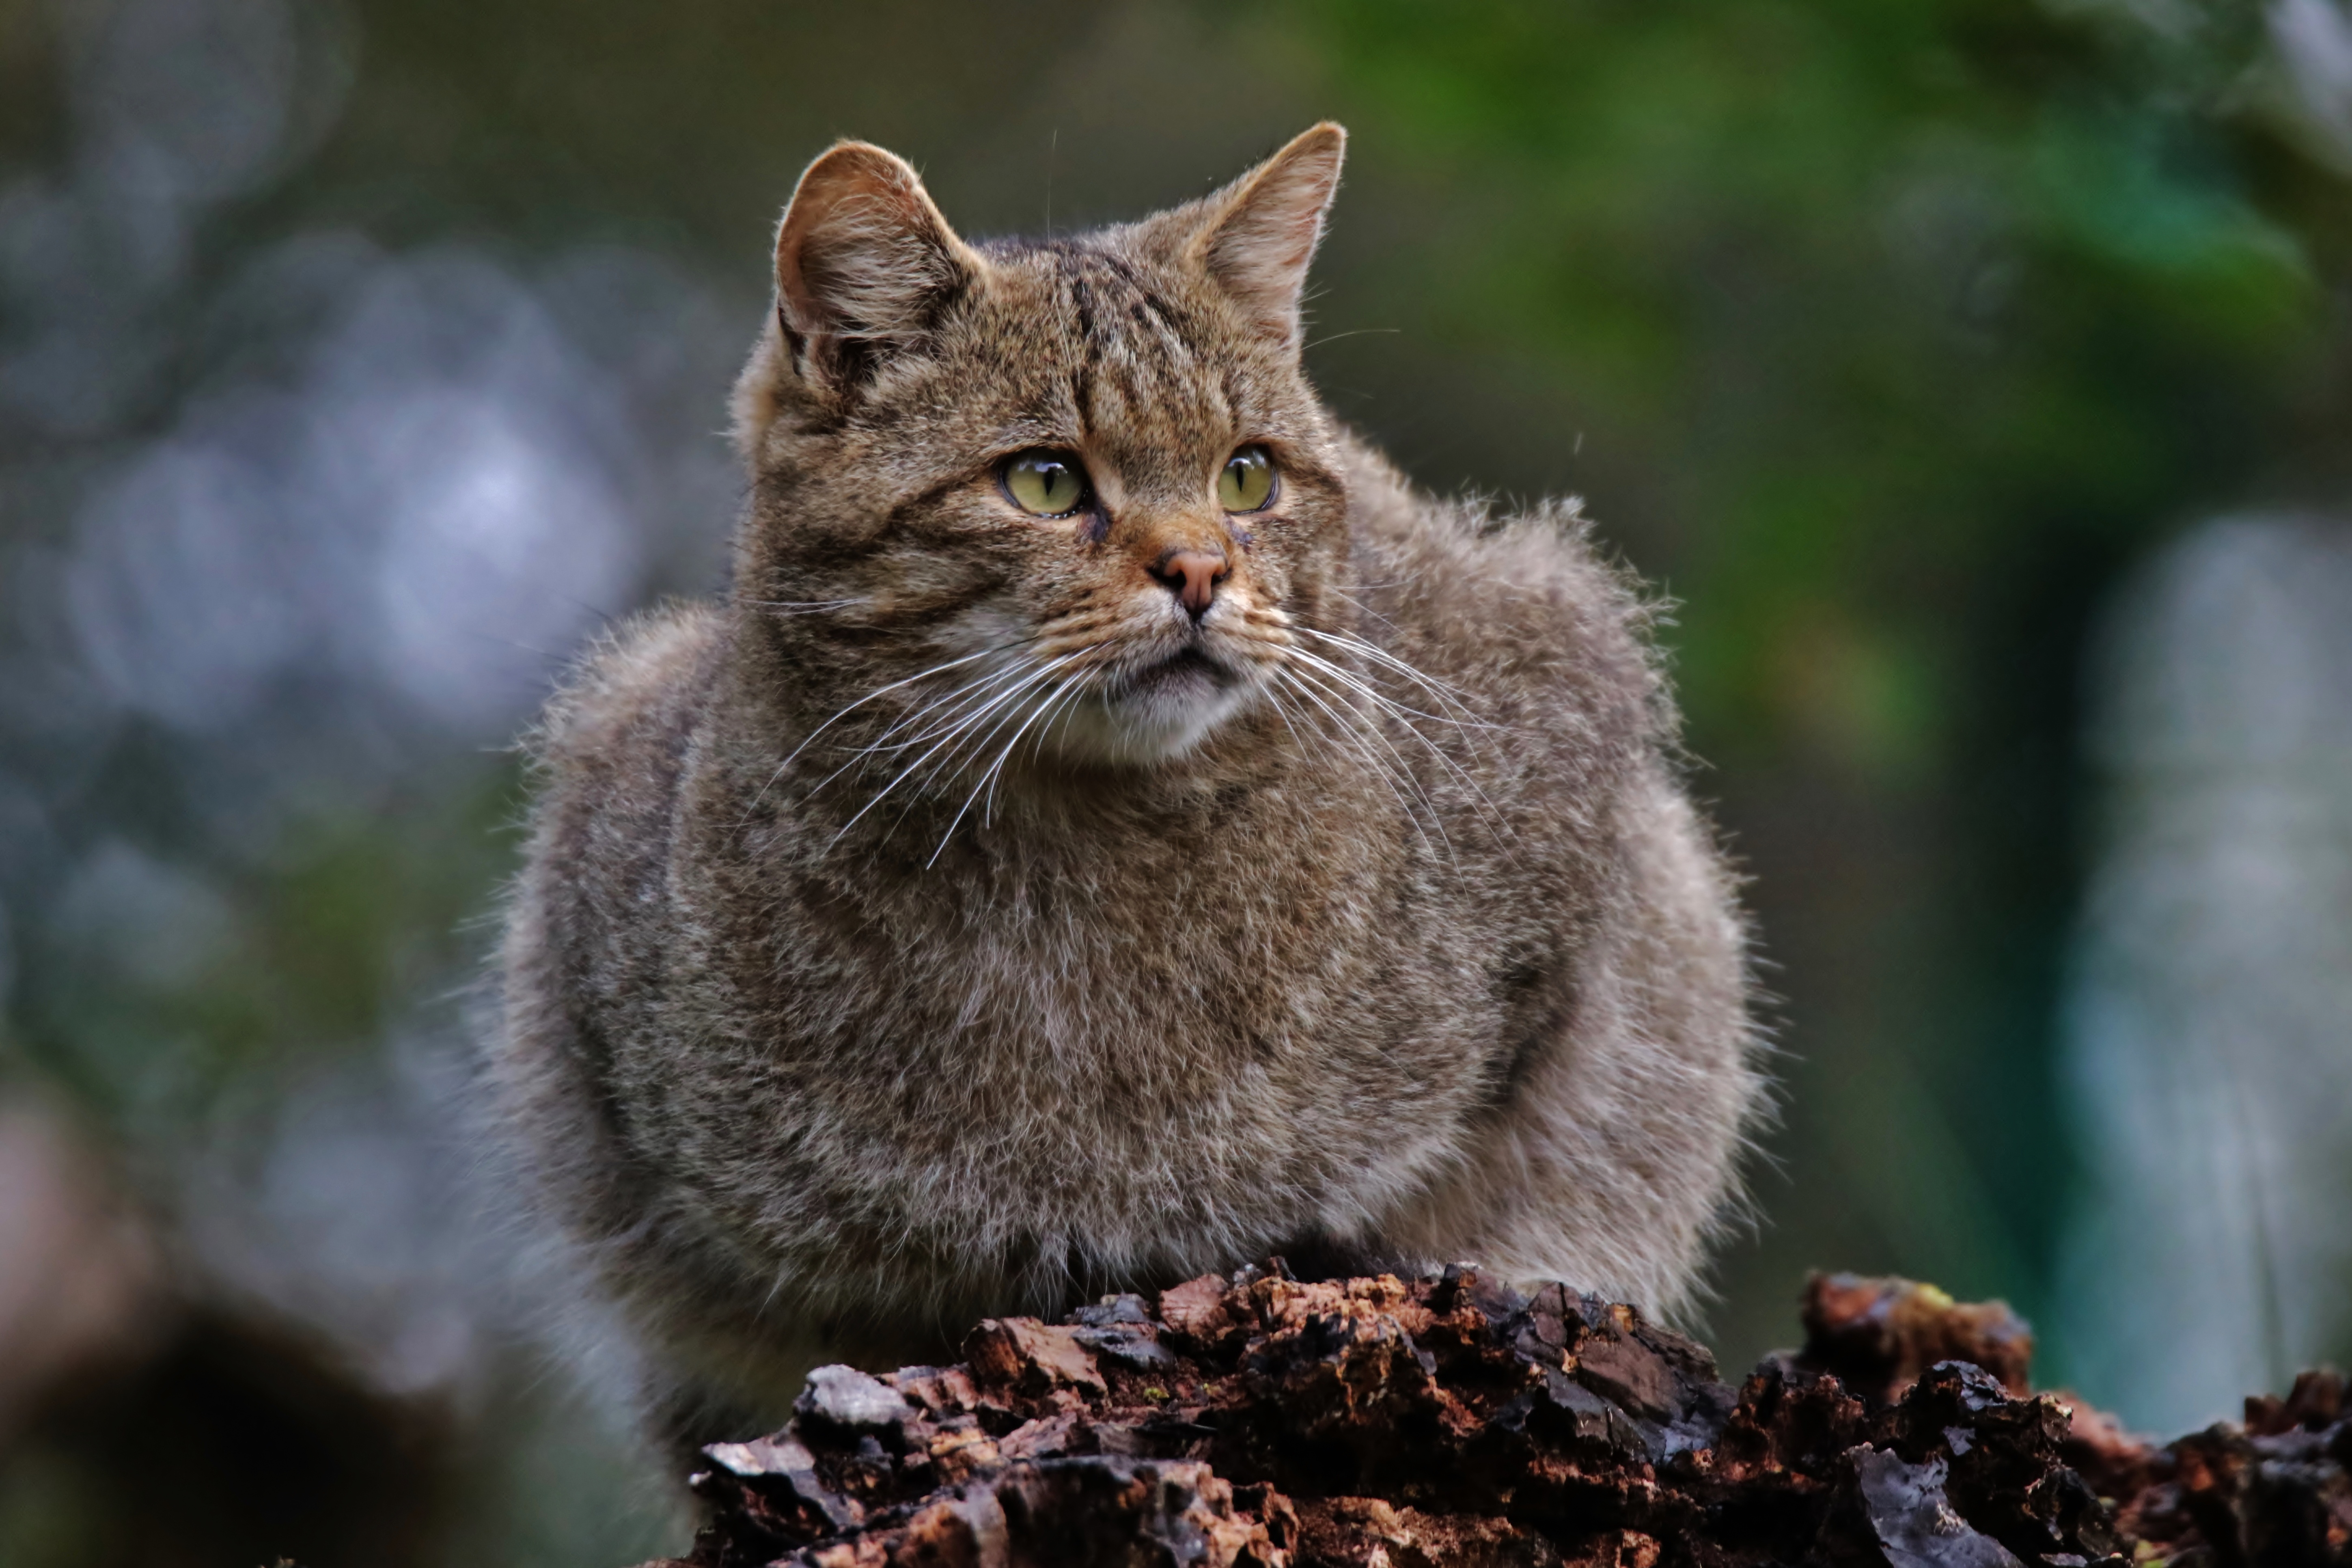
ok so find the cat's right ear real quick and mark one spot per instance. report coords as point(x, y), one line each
point(864, 265)
point(1261, 231)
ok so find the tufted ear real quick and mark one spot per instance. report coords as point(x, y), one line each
point(864, 262)
point(1261, 231)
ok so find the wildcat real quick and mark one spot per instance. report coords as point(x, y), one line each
point(1114, 828)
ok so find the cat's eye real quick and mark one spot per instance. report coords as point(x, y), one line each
point(1247, 483)
point(1046, 484)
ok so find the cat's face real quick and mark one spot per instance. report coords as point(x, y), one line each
point(1072, 499)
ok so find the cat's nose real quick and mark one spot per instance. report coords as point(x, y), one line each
point(1193, 575)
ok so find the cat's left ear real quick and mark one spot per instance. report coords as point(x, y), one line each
point(1260, 232)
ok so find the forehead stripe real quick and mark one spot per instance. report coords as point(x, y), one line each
point(1128, 333)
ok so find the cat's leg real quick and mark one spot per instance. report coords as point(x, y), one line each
point(1613, 1162)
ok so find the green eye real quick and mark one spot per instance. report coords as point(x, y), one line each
point(1248, 482)
point(1048, 484)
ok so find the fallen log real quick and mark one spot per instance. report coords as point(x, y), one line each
point(1261, 1421)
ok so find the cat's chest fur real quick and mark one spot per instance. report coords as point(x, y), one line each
point(1082, 1018)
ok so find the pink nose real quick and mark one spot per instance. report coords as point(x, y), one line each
point(1193, 575)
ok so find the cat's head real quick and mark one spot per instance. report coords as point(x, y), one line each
point(1075, 494)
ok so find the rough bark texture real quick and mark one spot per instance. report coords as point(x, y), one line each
point(1261, 1421)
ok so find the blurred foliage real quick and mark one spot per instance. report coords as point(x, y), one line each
point(1882, 334)
point(350, 924)
point(1891, 292)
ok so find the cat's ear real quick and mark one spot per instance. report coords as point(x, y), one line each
point(864, 263)
point(1261, 231)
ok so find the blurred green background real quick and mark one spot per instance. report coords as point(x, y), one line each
point(358, 361)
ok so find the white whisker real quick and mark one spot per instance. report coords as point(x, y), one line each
point(1378, 696)
point(1070, 689)
point(1350, 725)
point(1060, 663)
point(966, 698)
point(883, 742)
point(1443, 690)
point(962, 728)
point(792, 607)
point(987, 780)
point(1404, 717)
point(1320, 754)
point(1061, 695)
point(880, 691)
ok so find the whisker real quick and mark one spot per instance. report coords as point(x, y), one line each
point(1358, 333)
point(963, 728)
point(883, 742)
point(951, 735)
point(1340, 736)
point(987, 780)
point(1381, 697)
point(961, 696)
point(802, 607)
point(1071, 688)
point(1281, 711)
point(1363, 684)
point(965, 697)
point(1451, 696)
point(1404, 717)
point(1048, 671)
point(1354, 727)
point(880, 691)
point(1444, 690)
point(1361, 608)
point(1011, 710)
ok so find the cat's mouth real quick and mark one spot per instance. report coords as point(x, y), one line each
point(1187, 671)
point(1155, 711)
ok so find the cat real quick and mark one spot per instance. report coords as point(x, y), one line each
point(1114, 828)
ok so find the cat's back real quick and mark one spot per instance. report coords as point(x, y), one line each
point(614, 739)
point(1530, 653)
point(612, 751)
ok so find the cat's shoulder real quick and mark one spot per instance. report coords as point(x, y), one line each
point(1461, 573)
point(636, 685)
